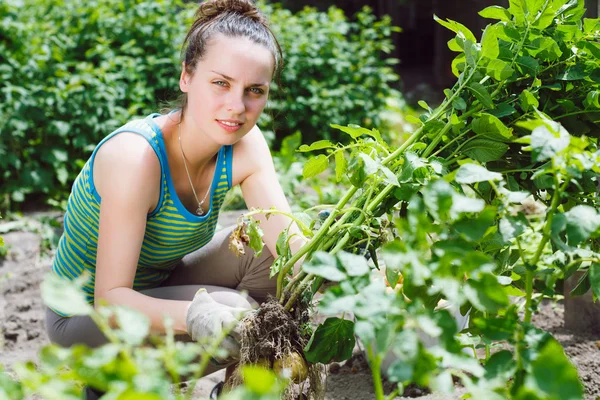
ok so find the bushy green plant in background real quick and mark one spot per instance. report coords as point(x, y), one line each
point(71, 72)
point(336, 70)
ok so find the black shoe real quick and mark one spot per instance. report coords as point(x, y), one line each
point(91, 394)
point(216, 391)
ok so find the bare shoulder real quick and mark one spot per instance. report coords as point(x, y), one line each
point(250, 154)
point(127, 165)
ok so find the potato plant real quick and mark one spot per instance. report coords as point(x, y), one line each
point(493, 197)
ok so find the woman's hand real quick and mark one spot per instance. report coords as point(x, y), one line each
point(206, 319)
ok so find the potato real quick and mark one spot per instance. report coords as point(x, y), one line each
point(295, 363)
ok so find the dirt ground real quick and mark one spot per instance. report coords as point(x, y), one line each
point(23, 331)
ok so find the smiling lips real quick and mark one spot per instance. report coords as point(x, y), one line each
point(230, 125)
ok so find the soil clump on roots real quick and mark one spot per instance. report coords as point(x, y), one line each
point(272, 333)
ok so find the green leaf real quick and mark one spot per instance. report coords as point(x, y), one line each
point(517, 8)
point(484, 150)
point(356, 131)
point(591, 100)
point(489, 43)
point(259, 380)
point(341, 165)
point(66, 296)
point(371, 166)
point(496, 328)
point(473, 173)
point(545, 49)
point(527, 65)
point(304, 221)
point(354, 264)
point(134, 326)
point(499, 70)
point(459, 104)
point(491, 127)
point(481, 93)
point(574, 73)
point(503, 110)
point(458, 28)
point(528, 101)
point(315, 165)
point(594, 274)
point(458, 64)
point(472, 53)
point(324, 265)
point(583, 285)
point(318, 145)
point(486, 294)
point(474, 229)
point(392, 277)
point(255, 233)
point(464, 204)
point(358, 175)
point(511, 227)
point(552, 376)
point(582, 222)
point(332, 341)
point(496, 12)
point(547, 140)
point(501, 365)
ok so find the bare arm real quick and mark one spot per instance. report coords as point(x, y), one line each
point(127, 176)
point(261, 189)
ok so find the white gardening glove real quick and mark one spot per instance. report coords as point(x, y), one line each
point(206, 319)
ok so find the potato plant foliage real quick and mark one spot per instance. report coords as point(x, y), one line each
point(493, 197)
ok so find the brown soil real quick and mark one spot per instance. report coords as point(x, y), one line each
point(22, 331)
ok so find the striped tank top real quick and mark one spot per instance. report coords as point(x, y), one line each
point(171, 230)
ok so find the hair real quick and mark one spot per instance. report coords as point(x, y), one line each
point(231, 18)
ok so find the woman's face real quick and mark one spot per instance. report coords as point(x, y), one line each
point(229, 88)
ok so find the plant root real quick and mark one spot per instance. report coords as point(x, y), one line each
point(271, 334)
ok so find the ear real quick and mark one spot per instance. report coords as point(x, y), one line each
point(184, 79)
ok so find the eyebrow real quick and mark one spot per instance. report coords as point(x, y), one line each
point(233, 80)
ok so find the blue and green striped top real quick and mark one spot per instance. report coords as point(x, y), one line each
point(171, 230)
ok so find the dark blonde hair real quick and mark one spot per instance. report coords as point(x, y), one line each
point(231, 18)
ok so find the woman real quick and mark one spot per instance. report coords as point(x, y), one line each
point(142, 213)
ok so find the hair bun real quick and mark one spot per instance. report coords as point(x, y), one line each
point(214, 8)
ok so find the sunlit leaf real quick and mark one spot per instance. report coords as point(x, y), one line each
point(473, 173)
point(315, 165)
point(332, 341)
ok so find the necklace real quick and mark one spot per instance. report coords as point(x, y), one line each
point(199, 210)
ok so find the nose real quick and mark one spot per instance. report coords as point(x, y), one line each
point(235, 103)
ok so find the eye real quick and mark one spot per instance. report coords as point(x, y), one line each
point(257, 90)
point(220, 83)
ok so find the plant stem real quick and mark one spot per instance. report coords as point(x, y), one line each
point(545, 238)
point(376, 373)
point(323, 231)
point(285, 269)
point(451, 142)
point(392, 395)
point(297, 291)
point(529, 275)
point(205, 359)
point(436, 140)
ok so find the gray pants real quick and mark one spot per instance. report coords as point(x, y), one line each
point(213, 267)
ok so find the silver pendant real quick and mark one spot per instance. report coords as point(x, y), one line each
point(199, 210)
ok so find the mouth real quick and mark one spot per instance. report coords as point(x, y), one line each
point(230, 125)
